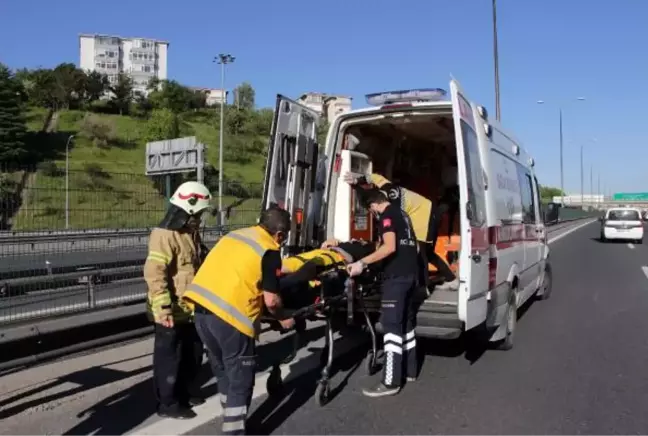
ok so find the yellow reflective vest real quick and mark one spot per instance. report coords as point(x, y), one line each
point(227, 283)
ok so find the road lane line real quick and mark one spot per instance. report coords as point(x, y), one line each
point(645, 270)
point(305, 361)
point(631, 246)
point(573, 229)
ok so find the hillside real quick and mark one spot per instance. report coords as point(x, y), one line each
point(108, 187)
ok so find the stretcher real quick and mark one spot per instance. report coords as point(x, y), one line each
point(337, 297)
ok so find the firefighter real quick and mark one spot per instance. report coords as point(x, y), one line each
point(239, 275)
point(424, 219)
point(174, 256)
point(398, 254)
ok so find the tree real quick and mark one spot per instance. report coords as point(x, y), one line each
point(548, 192)
point(163, 124)
point(95, 86)
point(172, 95)
point(122, 93)
point(244, 96)
point(12, 121)
point(69, 84)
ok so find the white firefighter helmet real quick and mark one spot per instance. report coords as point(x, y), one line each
point(192, 197)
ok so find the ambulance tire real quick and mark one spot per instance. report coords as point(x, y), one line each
point(511, 324)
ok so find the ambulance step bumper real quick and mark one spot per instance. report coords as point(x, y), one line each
point(435, 325)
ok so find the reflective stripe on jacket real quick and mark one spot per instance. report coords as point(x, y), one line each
point(172, 261)
point(227, 283)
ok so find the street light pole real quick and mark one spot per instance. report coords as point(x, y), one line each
point(562, 173)
point(222, 59)
point(67, 182)
point(582, 187)
point(496, 61)
point(592, 184)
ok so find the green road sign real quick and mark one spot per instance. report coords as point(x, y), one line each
point(630, 196)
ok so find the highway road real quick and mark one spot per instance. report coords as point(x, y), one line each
point(578, 367)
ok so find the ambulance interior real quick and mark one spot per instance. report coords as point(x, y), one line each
point(417, 152)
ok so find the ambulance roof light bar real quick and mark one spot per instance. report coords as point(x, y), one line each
point(405, 96)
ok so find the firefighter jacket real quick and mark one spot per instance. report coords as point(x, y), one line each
point(417, 207)
point(227, 283)
point(173, 258)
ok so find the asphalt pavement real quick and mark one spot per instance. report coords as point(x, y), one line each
point(578, 367)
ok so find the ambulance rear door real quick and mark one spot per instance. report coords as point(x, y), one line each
point(474, 255)
point(295, 172)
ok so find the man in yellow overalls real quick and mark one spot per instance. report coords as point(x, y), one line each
point(239, 275)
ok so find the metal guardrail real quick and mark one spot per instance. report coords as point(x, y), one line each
point(63, 236)
point(87, 289)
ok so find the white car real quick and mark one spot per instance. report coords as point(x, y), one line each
point(623, 223)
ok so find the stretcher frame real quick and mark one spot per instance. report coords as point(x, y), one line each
point(350, 302)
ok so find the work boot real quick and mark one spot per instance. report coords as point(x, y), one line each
point(380, 390)
point(175, 411)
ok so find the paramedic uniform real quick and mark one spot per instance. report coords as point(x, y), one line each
point(398, 286)
point(228, 294)
point(173, 258)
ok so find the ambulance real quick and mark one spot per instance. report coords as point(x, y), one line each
point(427, 141)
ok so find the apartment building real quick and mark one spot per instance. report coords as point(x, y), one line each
point(140, 58)
point(327, 105)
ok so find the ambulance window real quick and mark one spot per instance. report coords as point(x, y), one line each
point(474, 174)
point(528, 200)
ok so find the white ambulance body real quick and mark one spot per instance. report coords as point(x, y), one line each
point(501, 254)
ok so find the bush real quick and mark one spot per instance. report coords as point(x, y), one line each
point(100, 131)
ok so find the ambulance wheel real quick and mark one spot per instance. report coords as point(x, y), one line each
point(322, 393)
point(274, 384)
point(370, 363)
point(511, 323)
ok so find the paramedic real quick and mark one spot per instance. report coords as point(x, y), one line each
point(399, 252)
point(239, 275)
point(174, 256)
point(424, 222)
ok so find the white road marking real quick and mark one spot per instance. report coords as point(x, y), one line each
point(631, 246)
point(304, 361)
point(645, 270)
point(573, 229)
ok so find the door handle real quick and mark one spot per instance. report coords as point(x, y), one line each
point(476, 257)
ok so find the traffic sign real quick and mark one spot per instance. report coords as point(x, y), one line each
point(174, 156)
point(630, 196)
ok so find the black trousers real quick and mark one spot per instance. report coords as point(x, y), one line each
point(233, 361)
point(399, 323)
point(177, 357)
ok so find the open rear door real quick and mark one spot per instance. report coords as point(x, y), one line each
point(292, 179)
point(473, 265)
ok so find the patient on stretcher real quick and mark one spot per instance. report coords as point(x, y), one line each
point(306, 267)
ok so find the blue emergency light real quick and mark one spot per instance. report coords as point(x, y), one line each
point(408, 95)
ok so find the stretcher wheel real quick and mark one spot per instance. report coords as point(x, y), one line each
point(370, 363)
point(322, 394)
point(274, 384)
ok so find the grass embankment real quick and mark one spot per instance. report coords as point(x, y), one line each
point(108, 187)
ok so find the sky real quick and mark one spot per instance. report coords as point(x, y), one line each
point(550, 50)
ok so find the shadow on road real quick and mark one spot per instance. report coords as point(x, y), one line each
point(614, 241)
